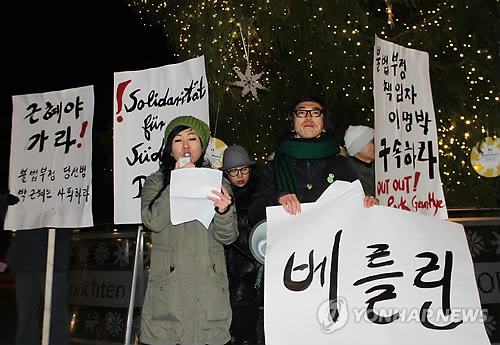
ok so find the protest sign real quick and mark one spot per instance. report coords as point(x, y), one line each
point(144, 103)
point(406, 146)
point(339, 273)
point(51, 159)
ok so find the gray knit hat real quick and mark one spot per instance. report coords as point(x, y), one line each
point(235, 156)
point(356, 137)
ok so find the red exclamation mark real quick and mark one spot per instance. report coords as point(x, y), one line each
point(119, 95)
point(417, 177)
point(82, 131)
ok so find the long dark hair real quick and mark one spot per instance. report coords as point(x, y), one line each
point(167, 162)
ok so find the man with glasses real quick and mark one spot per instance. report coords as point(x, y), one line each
point(306, 163)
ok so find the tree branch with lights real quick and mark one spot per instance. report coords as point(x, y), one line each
point(326, 49)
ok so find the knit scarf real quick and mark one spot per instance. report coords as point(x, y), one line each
point(288, 149)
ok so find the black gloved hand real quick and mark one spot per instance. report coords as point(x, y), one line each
point(12, 199)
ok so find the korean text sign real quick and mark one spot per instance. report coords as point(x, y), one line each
point(51, 159)
point(339, 273)
point(144, 103)
point(406, 147)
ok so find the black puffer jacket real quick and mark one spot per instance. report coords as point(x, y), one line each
point(313, 177)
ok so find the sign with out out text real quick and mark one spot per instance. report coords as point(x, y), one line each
point(406, 146)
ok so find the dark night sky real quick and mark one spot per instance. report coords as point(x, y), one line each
point(56, 45)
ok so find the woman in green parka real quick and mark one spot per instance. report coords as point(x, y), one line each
point(187, 298)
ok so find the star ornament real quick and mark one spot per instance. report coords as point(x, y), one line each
point(249, 82)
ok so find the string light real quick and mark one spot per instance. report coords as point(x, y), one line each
point(344, 41)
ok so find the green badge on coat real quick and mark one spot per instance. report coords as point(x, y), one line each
point(330, 178)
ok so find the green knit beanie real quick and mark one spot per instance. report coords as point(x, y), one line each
point(200, 127)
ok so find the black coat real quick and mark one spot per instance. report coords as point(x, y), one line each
point(242, 267)
point(313, 177)
point(28, 252)
point(366, 173)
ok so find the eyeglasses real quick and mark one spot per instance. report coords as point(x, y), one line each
point(303, 112)
point(236, 171)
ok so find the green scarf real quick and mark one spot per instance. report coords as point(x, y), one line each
point(284, 172)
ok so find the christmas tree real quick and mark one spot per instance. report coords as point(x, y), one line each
point(262, 55)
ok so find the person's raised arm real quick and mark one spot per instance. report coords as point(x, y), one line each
point(225, 223)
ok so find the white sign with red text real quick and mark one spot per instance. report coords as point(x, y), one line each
point(144, 103)
point(51, 159)
point(406, 146)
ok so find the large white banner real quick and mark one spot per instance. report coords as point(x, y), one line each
point(51, 159)
point(406, 146)
point(144, 103)
point(339, 273)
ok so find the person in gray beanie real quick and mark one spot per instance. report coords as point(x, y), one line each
point(242, 268)
point(359, 143)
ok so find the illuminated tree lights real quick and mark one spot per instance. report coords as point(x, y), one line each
point(312, 47)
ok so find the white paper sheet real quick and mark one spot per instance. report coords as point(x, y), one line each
point(189, 189)
point(343, 190)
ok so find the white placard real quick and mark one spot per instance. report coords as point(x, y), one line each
point(51, 159)
point(144, 103)
point(402, 262)
point(406, 146)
